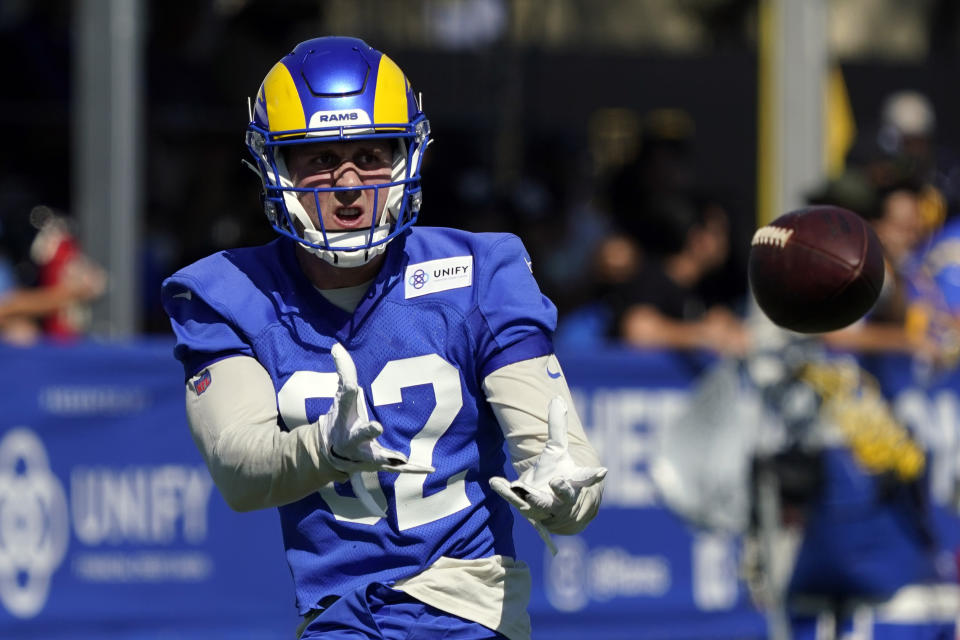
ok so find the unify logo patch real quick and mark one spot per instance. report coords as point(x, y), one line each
point(438, 275)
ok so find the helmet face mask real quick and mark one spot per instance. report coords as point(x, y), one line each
point(338, 90)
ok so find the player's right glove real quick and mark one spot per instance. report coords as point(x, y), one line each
point(349, 442)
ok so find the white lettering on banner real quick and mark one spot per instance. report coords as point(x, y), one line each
point(565, 575)
point(140, 504)
point(34, 529)
point(616, 573)
point(577, 574)
point(715, 571)
point(89, 400)
point(143, 566)
point(622, 425)
point(933, 421)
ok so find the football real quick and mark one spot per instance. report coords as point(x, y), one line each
point(816, 269)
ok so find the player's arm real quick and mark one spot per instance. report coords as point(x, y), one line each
point(548, 447)
point(643, 325)
point(559, 487)
point(231, 408)
point(231, 403)
point(253, 461)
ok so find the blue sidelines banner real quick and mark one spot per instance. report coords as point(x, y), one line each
point(110, 526)
point(638, 570)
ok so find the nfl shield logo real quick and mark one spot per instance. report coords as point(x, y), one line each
point(201, 383)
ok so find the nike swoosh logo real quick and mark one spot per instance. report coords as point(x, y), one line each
point(183, 294)
point(552, 374)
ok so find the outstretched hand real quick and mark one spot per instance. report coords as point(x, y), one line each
point(551, 494)
point(349, 442)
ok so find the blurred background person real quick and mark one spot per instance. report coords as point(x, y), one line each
point(46, 280)
point(908, 133)
point(893, 212)
point(683, 242)
point(940, 262)
point(616, 263)
point(659, 273)
point(899, 181)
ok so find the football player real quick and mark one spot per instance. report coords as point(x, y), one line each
point(362, 375)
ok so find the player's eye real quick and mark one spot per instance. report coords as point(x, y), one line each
point(369, 159)
point(325, 160)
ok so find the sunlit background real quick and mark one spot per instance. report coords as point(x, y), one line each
point(610, 135)
point(128, 116)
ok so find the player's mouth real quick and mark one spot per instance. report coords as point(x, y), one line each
point(349, 217)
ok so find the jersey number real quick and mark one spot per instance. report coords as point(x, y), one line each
point(413, 508)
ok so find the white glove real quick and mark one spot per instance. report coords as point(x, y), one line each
point(556, 493)
point(349, 442)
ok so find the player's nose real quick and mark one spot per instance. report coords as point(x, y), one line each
point(348, 177)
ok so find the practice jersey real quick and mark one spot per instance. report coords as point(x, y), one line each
point(447, 308)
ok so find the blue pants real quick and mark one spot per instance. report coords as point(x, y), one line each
point(377, 612)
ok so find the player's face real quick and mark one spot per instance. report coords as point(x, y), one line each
point(342, 164)
point(900, 228)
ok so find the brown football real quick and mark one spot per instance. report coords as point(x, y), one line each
point(816, 269)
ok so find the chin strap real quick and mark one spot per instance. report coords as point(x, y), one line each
point(347, 259)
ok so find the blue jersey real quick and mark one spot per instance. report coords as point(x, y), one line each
point(942, 261)
point(447, 308)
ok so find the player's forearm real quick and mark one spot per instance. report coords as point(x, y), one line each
point(645, 326)
point(253, 462)
point(872, 337)
point(33, 302)
point(520, 395)
point(526, 434)
point(255, 469)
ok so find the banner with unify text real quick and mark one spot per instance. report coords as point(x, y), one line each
point(110, 526)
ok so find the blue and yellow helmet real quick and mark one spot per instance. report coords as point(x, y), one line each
point(336, 88)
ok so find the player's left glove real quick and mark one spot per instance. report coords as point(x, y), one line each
point(349, 442)
point(556, 493)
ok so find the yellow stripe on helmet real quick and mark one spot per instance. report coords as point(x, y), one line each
point(390, 101)
point(284, 109)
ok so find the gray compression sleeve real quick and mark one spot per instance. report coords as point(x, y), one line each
point(253, 461)
point(519, 394)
